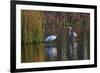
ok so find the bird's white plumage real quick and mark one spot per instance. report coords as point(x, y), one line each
point(74, 34)
point(50, 38)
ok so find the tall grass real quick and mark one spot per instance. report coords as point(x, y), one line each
point(32, 33)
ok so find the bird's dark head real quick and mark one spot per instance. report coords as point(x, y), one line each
point(69, 28)
point(56, 34)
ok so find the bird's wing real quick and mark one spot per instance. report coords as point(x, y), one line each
point(75, 34)
point(48, 38)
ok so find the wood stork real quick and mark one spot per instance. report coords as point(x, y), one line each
point(72, 33)
point(50, 38)
point(72, 43)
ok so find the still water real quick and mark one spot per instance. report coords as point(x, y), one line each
point(42, 52)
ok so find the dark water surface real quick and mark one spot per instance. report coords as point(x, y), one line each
point(52, 52)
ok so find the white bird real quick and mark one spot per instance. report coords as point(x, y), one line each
point(72, 32)
point(50, 38)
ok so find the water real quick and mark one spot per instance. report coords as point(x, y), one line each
point(42, 52)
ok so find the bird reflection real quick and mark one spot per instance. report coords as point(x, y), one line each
point(51, 51)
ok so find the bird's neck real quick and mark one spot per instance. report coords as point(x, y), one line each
point(70, 30)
